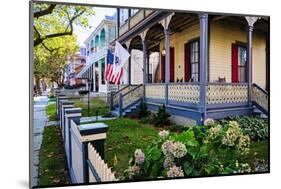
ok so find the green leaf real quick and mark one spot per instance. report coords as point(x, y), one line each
point(155, 154)
point(188, 168)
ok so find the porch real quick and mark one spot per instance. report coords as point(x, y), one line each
point(188, 78)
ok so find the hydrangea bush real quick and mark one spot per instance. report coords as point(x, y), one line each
point(195, 152)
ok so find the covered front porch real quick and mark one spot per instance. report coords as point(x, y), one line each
point(191, 91)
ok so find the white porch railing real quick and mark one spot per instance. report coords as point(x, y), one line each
point(260, 96)
point(223, 93)
point(184, 92)
point(155, 91)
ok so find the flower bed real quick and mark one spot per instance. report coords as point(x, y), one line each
point(200, 151)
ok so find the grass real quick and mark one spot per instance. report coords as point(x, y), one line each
point(123, 137)
point(52, 162)
point(51, 111)
point(96, 103)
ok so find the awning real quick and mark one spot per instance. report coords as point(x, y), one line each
point(86, 72)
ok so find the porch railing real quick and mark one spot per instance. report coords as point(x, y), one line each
point(184, 92)
point(132, 96)
point(123, 90)
point(260, 97)
point(155, 91)
point(226, 93)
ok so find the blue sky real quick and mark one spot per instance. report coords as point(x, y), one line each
point(94, 20)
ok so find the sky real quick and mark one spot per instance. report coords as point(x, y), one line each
point(94, 21)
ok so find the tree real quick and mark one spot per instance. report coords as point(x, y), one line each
point(54, 40)
point(55, 20)
point(50, 64)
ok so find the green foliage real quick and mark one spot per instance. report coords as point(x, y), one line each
point(142, 111)
point(123, 137)
point(198, 151)
point(255, 127)
point(161, 118)
point(51, 112)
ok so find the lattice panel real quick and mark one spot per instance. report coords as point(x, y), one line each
point(155, 91)
point(132, 96)
point(183, 93)
point(125, 90)
point(260, 98)
point(220, 94)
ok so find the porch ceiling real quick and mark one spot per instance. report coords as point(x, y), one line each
point(155, 34)
point(181, 21)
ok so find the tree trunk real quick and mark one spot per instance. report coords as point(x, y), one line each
point(37, 84)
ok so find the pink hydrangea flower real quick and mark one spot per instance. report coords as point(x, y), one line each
point(139, 157)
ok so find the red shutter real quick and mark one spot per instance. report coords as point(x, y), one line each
point(162, 68)
point(234, 61)
point(186, 62)
point(172, 64)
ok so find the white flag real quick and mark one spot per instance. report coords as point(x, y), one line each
point(121, 56)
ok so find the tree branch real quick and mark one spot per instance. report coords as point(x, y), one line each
point(40, 39)
point(45, 11)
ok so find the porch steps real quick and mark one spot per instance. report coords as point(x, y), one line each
point(129, 110)
point(259, 113)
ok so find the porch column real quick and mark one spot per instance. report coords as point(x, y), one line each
point(167, 62)
point(251, 21)
point(129, 48)
point(203, 63)
point(165, 23)
point(129, 66)
point(148, 54)
point(118, 21)
point(144, 50)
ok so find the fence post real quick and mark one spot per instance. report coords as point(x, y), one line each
point(95, 134)
point(64, 105)
point(120, 105)
point(58, 104)
point(75, 115)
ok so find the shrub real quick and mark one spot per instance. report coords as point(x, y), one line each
point(194, 152)
point(142, 111)
point(83, 92)
point(255, 127)
point(161, 118)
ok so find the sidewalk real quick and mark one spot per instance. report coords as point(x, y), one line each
point(39, 121)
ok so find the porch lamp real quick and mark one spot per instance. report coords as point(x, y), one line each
point(163, 52)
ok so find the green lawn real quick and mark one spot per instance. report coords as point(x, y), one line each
point(52, 163)
point(96, 103)
point(51, 111)
point(123, 137)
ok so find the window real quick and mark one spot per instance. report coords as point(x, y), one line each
point(134, 11)
point(194, 61)
point(239, 63)
point(242, 62)
point(123, 16)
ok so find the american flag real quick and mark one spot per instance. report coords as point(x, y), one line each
point(115, 63)
point(109, 67)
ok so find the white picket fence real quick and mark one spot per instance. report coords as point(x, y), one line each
point(101, 171)
point(84, 162)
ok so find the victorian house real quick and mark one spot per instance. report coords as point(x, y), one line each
point(210, 65)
